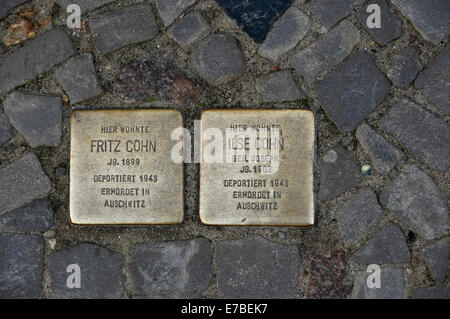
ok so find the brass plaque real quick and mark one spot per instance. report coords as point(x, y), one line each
point(266, 177)
point(121, 170)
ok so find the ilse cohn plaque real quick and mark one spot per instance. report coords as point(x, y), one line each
point(257, 167)
point(121, 170)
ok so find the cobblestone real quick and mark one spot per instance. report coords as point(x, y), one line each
point(425, 135)
point(22, 181)
point(432, 293)
point(34, 217)
point(388, 246)
point(286, 33)
point(256, 268)
point(331, 12)
point(36, 117)
point(124, 26)
point(78, 79)
point(330, 50)
point(34, 58)
point(437, 256)
point(169, 10)
point(349, 93)
point(279, 87)
point(404, 67)
point(102, 273)
point(190, 29)
point(392, 285)
point(416, 200)
point(6, 130)
point(7, 5)
point(21, 266)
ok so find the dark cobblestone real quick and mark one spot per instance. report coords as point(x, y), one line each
point(392, 282)
point(34, 217)
point(279, 87)
point(331, 12)
point(437, 256)
point(169, 10)
point(190, 29)
point(404, 67)
point(6, 130)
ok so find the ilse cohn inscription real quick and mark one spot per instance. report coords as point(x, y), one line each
point(121, 170)
point(266, 175)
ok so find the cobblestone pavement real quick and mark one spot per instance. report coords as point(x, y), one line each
point(380, 98)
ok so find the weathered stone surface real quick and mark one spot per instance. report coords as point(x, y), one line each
point(171, 267)
point(431, 18)
point(190, 29)
point(436, 256)
point(34, 217)
point(155, 78)
point(255, 17)
point(434, 82)
point(22, 181)
point(432, 293)
point(6, 130)
point(404, 67)
point(338, 172)
point(391, 25)
point(127, 25)
point(256, 268)
point(102, 273)
point(330, 12)
point(279, 87)
point(78, 78)
point(286, 33)
point(425, 135)
point(384, 155)
point(330, 50)
point(34, 58)
point(392, 285)
point(352, 91)
point(388, 246)
point(37, 117)
point(6, 5)
point(359, 215)
point(169, 10)
point(85, 5)
point(327, 277)
point(21, 266)
point(219, 60)
point(417, 201)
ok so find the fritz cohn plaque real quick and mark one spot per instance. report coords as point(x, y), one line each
point(257, 167)
point(121, 170)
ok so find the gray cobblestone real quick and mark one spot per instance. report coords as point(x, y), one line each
point(338, 172)
point(404, 67)
point(115, 29)
point(437, 256)
point(102, 273)
point(190, 29)
point(286, 33)
point(432, 293)
point(256, 268)
point(171, 267)
point(169, 10)
point(388, 246)
point(330, 50)
point(359, 215)
point(34, 58)
point(392, 285)
point(384, 155)
point(6, 5)
point(331, 12)
point(34, 217)
point(416, 200)
point(22, 181)
point(279, 87)
point(425, 135)
point(349, 93)
point(78, 79)
point(85, 5)
point(21, 266)
point(37, 117)
point(6, 130)
point(219, 60)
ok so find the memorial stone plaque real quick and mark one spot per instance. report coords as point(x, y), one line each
point(121, 170)
point(266, 177)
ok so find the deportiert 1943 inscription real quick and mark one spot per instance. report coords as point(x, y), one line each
point(121, 170)
point(267, 177)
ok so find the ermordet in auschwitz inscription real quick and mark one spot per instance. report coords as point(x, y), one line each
point(121, 170)
point(267, 178)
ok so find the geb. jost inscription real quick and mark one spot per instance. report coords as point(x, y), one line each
point(121, 170)
point(265, 176)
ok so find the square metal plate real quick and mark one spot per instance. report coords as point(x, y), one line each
point(121, 170)
point(270, 183)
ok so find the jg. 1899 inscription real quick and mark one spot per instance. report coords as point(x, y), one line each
point(121, 170)
point(267, 175)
